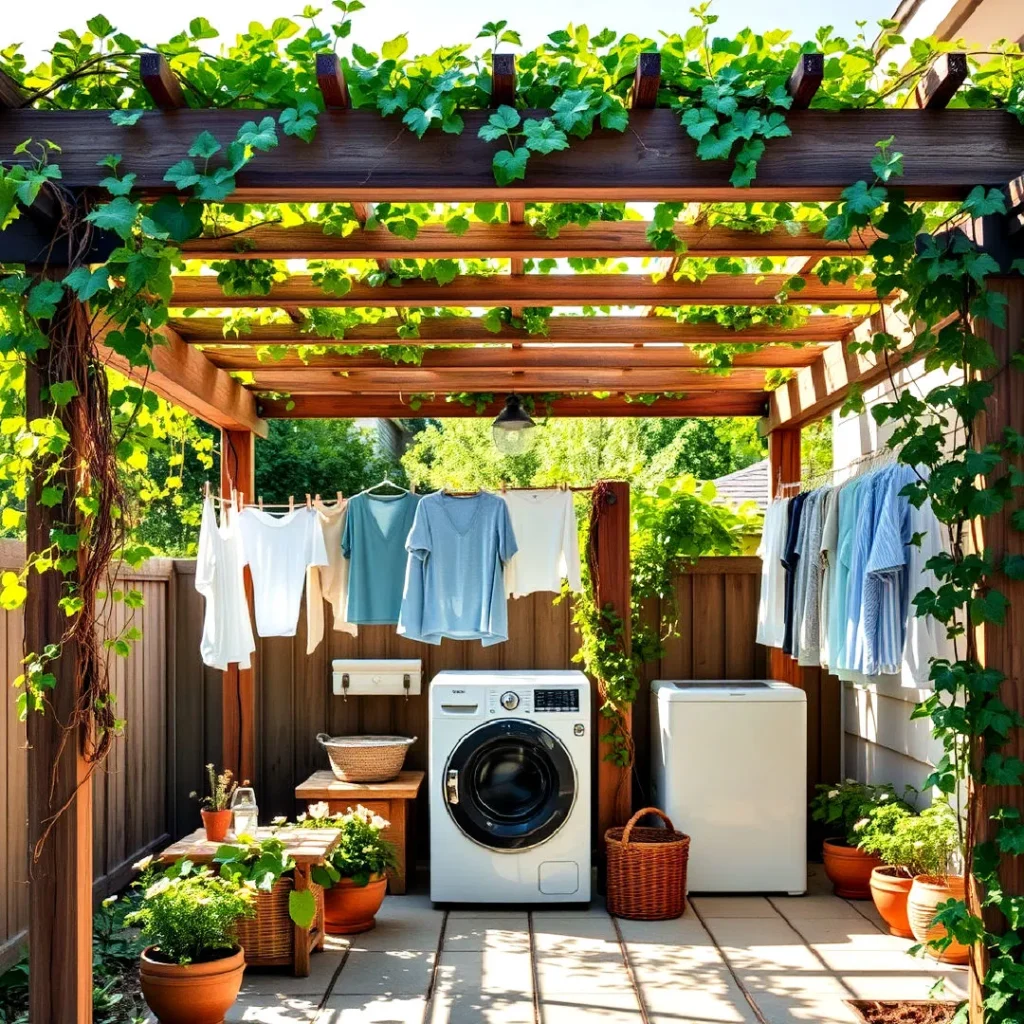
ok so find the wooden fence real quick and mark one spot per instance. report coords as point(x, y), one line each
point(130, 792)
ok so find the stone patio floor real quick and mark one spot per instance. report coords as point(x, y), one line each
point(728, 960)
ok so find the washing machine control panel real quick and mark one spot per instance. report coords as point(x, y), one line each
point(556, 700)
point(528, 701)
point(509, 700)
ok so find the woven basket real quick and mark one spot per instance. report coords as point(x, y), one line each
point(646, 869)
point(366, 758)
point(269, 937)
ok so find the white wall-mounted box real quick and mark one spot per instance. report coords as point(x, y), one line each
point(376, 677)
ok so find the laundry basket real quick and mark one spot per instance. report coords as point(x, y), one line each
point(366, 758)
point(646, 869)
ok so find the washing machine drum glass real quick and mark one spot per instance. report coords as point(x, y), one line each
point(509, 785)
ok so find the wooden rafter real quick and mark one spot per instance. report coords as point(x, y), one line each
point(806, 79)
point(358, 155)
point(184, 376)
point(817, 389)
point(563, 330)
point(160, 81)
point(530, 290)
point(356, 407)
point(514, 240)
point(939, 85)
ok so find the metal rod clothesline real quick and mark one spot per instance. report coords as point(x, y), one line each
point(795, 486)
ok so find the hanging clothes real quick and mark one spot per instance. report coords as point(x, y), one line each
point(806, 642)
point(227, 631)
point(454, 585)
point(373, 541)
point(278, 551)
point(790, 557)
point(827, 558)
point(544, 525)
point(328, 582)
point(771, 622)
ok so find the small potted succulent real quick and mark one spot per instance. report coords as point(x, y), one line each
point(192, 970)
point(354, 877)
point(846, 807)
point(215, 806)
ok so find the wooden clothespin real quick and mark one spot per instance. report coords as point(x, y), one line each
point(316, 497)
point(309, 502)
point(291, 502)
point(261, 502)
point(412, 490)
point(341, 497)
point(504, 488)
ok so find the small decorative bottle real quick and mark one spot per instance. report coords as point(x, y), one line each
point(246, 813)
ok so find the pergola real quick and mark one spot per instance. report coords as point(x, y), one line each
point(361, 158)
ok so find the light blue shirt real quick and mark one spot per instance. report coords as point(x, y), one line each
point(454, 582)
point(841, 573)
point(374, 543)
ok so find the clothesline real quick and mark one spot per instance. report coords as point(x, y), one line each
point(857, 465)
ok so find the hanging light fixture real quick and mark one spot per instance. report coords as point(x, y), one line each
point(512, 428)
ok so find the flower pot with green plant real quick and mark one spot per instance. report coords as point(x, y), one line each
point(265, 865)
point(192, 970)
point(885, 836)
point(215, 805)
point(845, 807)
point(354, 877)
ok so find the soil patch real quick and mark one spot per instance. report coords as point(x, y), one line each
point(932, 1011)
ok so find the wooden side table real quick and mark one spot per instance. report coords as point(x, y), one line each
point(388, 799)
point(306, 846)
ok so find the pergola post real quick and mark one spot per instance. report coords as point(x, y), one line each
point(1002, 647)
point(59, 788)
point(611, 577)
point(238, 693)
point(783, 468)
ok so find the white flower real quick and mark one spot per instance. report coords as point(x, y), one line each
point(300, 818)
point(919, 844)
point(279, 820)
point(319, 810)
point(883, 797)
point(141, 865)
point(833, 793)
point(860, 825)
point(162, 884)
point(378, 822)
point(110, 901)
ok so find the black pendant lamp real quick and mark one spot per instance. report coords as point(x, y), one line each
point(512, 428)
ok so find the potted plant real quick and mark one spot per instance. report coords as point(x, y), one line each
point(354, 878)
point(192, 970)
point(845, 807)
point(214, 806)
point(886, 836)
point(268, 869)
point(935, 836)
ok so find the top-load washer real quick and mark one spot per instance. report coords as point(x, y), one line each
point(509, 779)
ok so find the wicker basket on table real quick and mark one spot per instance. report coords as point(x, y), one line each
point(268, 938)
point(646, 869)
point(365, 758)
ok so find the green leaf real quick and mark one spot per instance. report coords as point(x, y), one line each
point(394, 48)
point(457, 225)
point(181, 221)
point(485, 211)
point(51, 496)
point(698, 121)
point(204, 146)
point(543, 136)
point(126, 118)
point(418, 118)
point(43, 299)
point(863, 200)
point(87, 283)
point(300, 121)
point(118, 186)
point(302, 902)
point(118, 216)
point(717, 145)
point(981, 202)
point(182, 175)
point(61, 392)
point(502, 121)
point(262, 136)
point(510, 166)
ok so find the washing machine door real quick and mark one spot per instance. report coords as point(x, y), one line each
point(509, 785)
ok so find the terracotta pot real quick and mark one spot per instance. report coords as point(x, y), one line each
point(849, 870)
point(889, 890)
point(217, 824)
point(351, 908)
point(193, 994)
point(927, 892)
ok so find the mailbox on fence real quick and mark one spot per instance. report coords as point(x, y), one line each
point(377, 677)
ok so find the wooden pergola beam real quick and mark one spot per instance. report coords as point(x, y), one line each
point(358, 155)
point(331, 80)
point(184, 376)
point(530, 290)
point(817, 389)
point(503, 79)
point(940, 83)
point(508, 241)
point(486, 360)
point(806, 79)
point(401, 406)
point(160, 81)
point(11, 94)
point(646, 82)
point(561, 330)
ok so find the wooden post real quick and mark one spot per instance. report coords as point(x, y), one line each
point(238, 694)
point(783, 468)
point(60, 880)
point(612, 583)
point(1002, 647)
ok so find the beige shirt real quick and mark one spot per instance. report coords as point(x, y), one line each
point(328, 581)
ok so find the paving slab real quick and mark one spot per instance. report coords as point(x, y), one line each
point(398, 973)
point(476, 934)
point(733, 906)
point(787, 998)
point(272, 1009)
point(367, 1010)
point(762, 943)
point(905, 986)
point(599, 1007)
point(828, 908)
point(849, 933)
point(708, 994)
point(266, 982)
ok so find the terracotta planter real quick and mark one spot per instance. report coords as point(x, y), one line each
point(927, 892)
point(889, 890)
point(351, 908)
point(216, 824)
point(849, 870)
point(193, 994)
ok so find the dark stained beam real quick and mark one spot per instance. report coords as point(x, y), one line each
point(331, 80)
point(805, 79)
point(161, 82)
point(646, 82)
point(940, 83)
point(11, 94)
point(562, 330)
point(503, 80)
point(358, 155)
point(399, 406)
point(529, 290)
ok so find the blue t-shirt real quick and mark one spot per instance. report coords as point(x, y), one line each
point(374, 543)
point(454, 583)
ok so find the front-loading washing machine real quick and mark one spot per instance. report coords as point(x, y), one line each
point(509, 778)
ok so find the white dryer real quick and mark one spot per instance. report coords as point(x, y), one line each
point(509, 778)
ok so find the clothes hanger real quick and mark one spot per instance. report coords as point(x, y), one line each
point(386, 482)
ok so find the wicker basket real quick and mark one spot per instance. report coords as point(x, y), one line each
point(646, 869)
point(366, 758)
point(268, 938)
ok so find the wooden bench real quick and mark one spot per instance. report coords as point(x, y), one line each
point(388, 799)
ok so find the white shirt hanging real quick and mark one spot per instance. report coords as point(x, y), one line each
point(544, 524)
point(328, 581)
point(771, 623)
point(227, 632)
point(278, 551)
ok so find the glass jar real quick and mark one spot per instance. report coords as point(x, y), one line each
point(244, 810)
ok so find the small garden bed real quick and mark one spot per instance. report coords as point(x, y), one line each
point(930, 1011)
